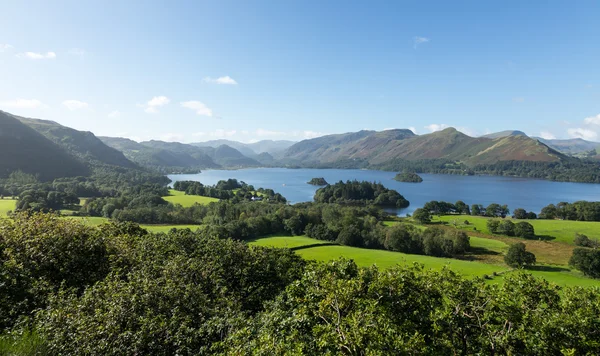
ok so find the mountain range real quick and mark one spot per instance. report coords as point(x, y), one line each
point(51, 150)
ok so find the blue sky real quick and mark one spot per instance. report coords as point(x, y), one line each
point(251, 70)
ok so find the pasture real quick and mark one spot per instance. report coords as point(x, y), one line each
point(553, 230)
point(6, 205)
point(177, 197)
point(285, 241)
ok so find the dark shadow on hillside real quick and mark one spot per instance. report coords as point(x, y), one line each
point(482, 251)
point(313, 245)
point(543, 238)
point(547, 269)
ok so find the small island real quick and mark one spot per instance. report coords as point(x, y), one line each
point(408, 177)
point(318, 181)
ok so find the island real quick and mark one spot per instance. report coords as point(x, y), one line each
point(408, 177)
point(318, 181)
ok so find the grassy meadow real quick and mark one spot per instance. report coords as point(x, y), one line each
point(6, 205)
point(177, 197)
point(553, 230)
point(285, 241)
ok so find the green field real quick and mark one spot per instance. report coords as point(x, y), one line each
point(553, 230)
point(285, 241)
point(177, 197)
point(95, 221)
point(488, 244)
point(6, 205)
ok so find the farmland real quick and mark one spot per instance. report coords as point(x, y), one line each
point(6, 205)
point(177, 197)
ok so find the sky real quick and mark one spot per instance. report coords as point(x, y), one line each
point(252, 70)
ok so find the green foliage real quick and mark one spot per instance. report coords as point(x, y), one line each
point(360, 193)
point(525, 230)
point(408, 177)
point(518, 257)
point(584, 241)
point(422, 216)
point(318, 181)
point(587, 261)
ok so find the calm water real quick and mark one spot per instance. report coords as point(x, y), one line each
point(529, 194)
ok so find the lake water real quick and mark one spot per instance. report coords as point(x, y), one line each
point(530, 194)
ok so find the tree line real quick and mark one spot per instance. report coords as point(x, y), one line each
point(360, 193)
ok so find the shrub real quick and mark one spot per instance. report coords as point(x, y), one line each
point(587, 261)
point(518, 257)
point(524, 229)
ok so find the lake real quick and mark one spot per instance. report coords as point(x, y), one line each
point(530, 194)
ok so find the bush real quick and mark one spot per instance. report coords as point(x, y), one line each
point(587, 261)
point(584, 241)
point(518, 257)
point(506, 227)
point(524, 229)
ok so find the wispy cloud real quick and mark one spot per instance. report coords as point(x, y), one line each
point(22, 104)
point(75, 104)
point(172, 137)
point(417, 40)
point(546, 135)
point(263, 132)
point(519, 100)
point(156, 102)
point(413, 129)
point(221, 80)
point(114, 114)
point(36, 55)
point(198, 107)
point(5, 47)
point(592, 120)
point(436, 127)
point(583, 133)
point(77, 52)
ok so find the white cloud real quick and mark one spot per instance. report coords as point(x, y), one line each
point(77, 52)
point(199, 134)
point(592, 120)
point(312, 134)
point(4, 47)
point(74, 105)
point(221, 80)
point(519, 100)
point(198, 107)
point(585, 134)
point(114, 114)
point(547, 135)
point(172, 137)
point(36, 55)
point(417, 40)
point(436, 127)
point(263, 132)
point(222, 133)
point(467, 131)
point(153, 104)
point(413, 129)
point(22, 104)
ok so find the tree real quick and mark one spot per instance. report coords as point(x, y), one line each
point(476, 209)
point(524, 229)
point(506, 227)
point(586, 260)
point(584, 241)
point(462, 208)
point(520, 213)
point(492, 210)
point(518, 257)
point(422, 216)
point(492, 225)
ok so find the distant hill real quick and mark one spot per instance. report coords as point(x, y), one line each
point(449, 144)
point(250, 149)
point(25, 149)
point(506, 133)
point(179, 155)
point(572, 146)
point(84, 145)
point(154, 156)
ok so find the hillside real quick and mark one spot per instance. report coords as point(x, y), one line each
point(159, 157)
point(27, 150)
point(84, 145)
point(505, 133)
point(573, 146)
point(449, 144)
point(271, 147)
point(223, 155)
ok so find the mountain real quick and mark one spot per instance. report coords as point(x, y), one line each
point(572, 146)
point(380, 147)
point(271, 147)
point(159, 157)
point(82, 144)
point(179, 155)
point(506, 133)
point(25, 149)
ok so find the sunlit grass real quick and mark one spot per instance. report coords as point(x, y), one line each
point(177, 197)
